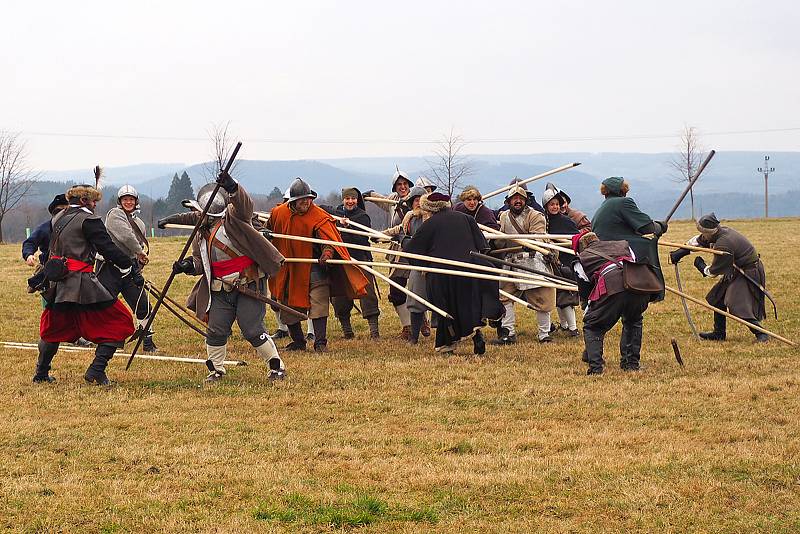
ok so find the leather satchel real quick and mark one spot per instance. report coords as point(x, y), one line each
point(637, 277)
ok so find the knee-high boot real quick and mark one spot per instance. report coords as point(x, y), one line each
point(46, 353)
point(593, 352)
point(719, 333)
point(96, 373)
point(630, 346)
point(298, 339)
point(320, 334)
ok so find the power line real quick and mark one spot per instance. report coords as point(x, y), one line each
point(406, 141)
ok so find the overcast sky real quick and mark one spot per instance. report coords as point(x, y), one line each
point(528, 76)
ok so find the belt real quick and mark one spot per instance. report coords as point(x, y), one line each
point(76, 265)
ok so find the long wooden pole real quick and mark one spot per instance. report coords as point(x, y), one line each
point(542, 283)
point(521, 242)
point(516, 299)
point(402, 254)
point(183, 255)
point(531, 179)
point(408, 292)
point(692, 247)
point(551, 246)
point(729, 315)
point(383, 200)
point(342, 229)
point(34, 346)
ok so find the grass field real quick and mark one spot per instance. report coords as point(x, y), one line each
point(378, 436)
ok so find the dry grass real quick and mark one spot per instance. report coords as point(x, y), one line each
point(382, 437)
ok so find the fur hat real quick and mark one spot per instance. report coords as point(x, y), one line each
point(84, 191)
point(582, 240)
point(470, 192)
point(434, 202)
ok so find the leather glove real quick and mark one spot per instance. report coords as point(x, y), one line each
point(267, 234)
point(368, 193)
point(660, 228)
point(162, 223)
point(677, 255)
point(700, 265)
point(184, 266)
point(227, 182)
point(326, 255)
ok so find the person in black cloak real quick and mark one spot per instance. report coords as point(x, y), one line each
point(452, 235)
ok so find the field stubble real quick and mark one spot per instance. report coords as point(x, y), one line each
point(384, 437)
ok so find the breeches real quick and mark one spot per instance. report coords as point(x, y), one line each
point(247, 311)
point(604, 314)
point(319, 295)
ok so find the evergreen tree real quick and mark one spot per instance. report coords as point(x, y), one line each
point(179, 190)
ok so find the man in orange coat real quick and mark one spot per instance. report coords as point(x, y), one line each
point(308, 287)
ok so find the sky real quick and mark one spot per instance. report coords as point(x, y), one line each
point(133, 82)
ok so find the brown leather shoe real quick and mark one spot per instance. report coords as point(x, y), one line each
point(425, 330)
point(405, 333)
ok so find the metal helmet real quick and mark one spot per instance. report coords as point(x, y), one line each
point(300, 189)
point(127, 191)
point(218, 206)
point(400, 175)
point(416, 191)
point(424, 181)
point(548, 195)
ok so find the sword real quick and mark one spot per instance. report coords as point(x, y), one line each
point(244, 290)
point(763, 289)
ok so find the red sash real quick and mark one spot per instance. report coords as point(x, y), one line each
point(233, 265)
point(76, 265)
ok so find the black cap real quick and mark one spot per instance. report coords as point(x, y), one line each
point(58, 200)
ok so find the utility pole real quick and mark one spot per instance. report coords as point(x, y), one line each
point(766, 170)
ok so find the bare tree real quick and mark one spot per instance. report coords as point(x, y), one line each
point(688, 159)
point(222, 146)
point(16, 177)
point(450, 166)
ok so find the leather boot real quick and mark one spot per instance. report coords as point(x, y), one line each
point(298, 338)
point(594, 351)
point(374, 331)
point(478, 343)
point(96, 373)
point(425, 329)
point(719, 329)
point(630, 346)
point(320, 334)
point(46, 353)
point(405, 333)
point(347, 326)
point(761, 337)
point(149, 345)
point(417, 320)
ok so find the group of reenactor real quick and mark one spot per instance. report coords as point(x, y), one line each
point(243, 261)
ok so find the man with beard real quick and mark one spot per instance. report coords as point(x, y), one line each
point(232, 259)
point(452, 235)
point(401, 187)
point(127, 231)
point(304, 286)
point(77, 304)
point(619, 218)
point(472, 204)
point(734, 292)
point(522, 219)
point(352, 208)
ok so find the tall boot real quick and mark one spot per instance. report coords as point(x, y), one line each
point(719, 329)
point(761, 337)
point(215, 362)
point(269, 353)
point(298, 339)
point(374, 331)
point(96, 373)
point(320, 334)
point(417, 320)
point(347, 326)
point(478, 343)
point(46, 353)
point(630, 346)
point(594, 351)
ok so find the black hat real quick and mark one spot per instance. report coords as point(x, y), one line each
point(708, 221)
point(58, 200)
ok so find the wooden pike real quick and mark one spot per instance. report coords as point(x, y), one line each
point(500, 235)
point(531, 179)
point(516, 299)
point(408, 292)
point(510, 278)
point(692, 248)
point(382, 200)
point(402, 254)
point(730, 316)
point(515, 237)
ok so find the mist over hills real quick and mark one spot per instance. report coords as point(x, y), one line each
point(730, 185)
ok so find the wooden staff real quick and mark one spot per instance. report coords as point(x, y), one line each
point(383, 200)
point(365, 230)
point(510, 278)
point(729, 315)
point(499, 251)
point(157, 293)
point(402, 254)
point(531, 179)
point(517, 266)
point(535, 243)
point(501, 235)
point(408, 292)
point(177, 314)
point(34, 346)
point(692, 247)
point(185, 250)
point(516, 299)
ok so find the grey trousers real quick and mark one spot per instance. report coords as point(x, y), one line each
point(247, 311)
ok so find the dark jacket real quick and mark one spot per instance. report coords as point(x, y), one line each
point(482, 215)
point(593, 262)
point(620, 218)
point(38, 240)
point(82, 237)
